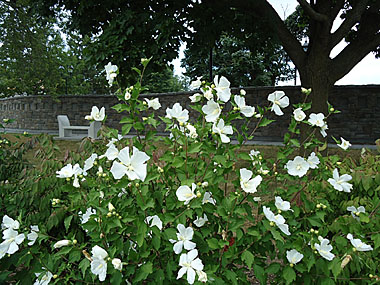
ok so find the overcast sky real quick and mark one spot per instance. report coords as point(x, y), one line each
point(366, 72)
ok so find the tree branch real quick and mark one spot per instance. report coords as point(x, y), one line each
point(312, 13)
point(262, 9)
point(351, 19)
point(352, 55)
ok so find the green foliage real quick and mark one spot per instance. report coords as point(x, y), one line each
point(241, 62)
point(239, 239)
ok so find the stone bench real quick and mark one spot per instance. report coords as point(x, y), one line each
point(66, 130)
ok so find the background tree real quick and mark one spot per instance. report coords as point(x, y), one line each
point(241, 64)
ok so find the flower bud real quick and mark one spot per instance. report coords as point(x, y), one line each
point(104, 174)
point(271, 224)
point(312, 230)
point(339, 163)
point(75, 241)
point(137, 184)
point(109, 214)
point(332, 109)
point(291, 264)
point(54, 203)
point(318, 206)
point(316, 232)
point(55, 276)
point(144, 119)
point(61, 243)
point(370, 276)
point(117, 264)
point(205, 184)
point(199, 194)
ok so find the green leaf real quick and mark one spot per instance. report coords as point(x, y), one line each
point(265, 122)
point(143, 272)
point(367, 182)
point(195, 147)
point(248, 258)
point(259, 273)
point(289, 274)
point(213, 243)
point(295, 142)
point(231, 276)
point(178, 162)
point(334, 266)
point(116, 277)
point(376, 240)
point(244, 156)
point(364, 218)
point(67, 222)
point(273, 268)
point(83, 265)
point(125, 129)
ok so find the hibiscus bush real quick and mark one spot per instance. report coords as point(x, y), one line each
point(194, 207)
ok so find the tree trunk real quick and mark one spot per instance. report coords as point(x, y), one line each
point(315, 75)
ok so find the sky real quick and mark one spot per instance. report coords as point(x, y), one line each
point(365, 72)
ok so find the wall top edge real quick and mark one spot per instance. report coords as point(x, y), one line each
point(234, 89)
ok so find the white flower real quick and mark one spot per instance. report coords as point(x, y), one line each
point(98, 115)
point(184, 236)
point(247, 184)
point(324, 248)
point(323, 130)
point(117, 264)
point(98, 263)
point(32, 236)
point(204, 184)
point(11, 241)
point(68, 171)
point(299, 115)
point(182, 115)
point(156, 221)
point(253, 153)
point(86, 216)
point(358, 244)
point(276, 219)
point(133, 166)
point(344, 144)
point(189, 264)
point(184, 193)
point(293, 256)
point(340, 182)
point(317, 119)
point(297, 167)
point(9, 223)
point(222, 130)
point(247, 111)
point(199, 222)
point(207, 93)
point(313, 161)
point(195, 98)
point(89, 163)
point(111, 153)
point(257, 199)
point(61, 243)
point(110, 72)
point(279, 101)
point(356, 212)
point(242, 92)
point(192, 131)
point(196, 83)
point(154, 103)
point(212, 111)
point(207, 198)
point(282, 205)
point(222, 87)
point(45, 279)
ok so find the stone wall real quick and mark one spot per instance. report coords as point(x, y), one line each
point(359, 120)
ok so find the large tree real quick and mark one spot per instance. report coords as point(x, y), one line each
point(360, 28)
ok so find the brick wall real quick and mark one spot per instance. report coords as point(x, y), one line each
point(358, 122)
